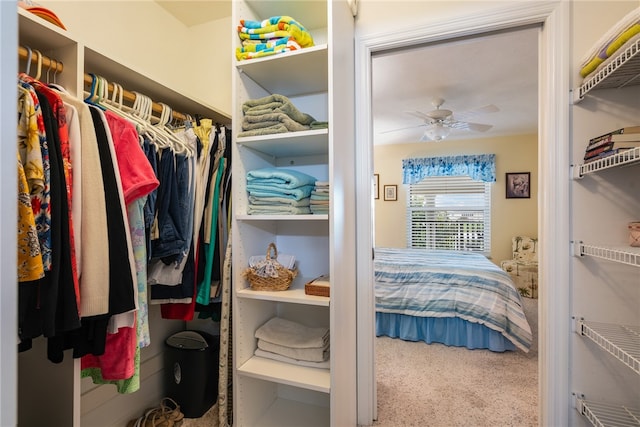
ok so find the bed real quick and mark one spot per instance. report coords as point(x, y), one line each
point(454, 298)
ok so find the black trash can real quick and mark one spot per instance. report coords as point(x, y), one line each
point(191, 370)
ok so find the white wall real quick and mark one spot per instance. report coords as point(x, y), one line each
point(195, 61)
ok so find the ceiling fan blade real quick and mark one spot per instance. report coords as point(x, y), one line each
point(489, 108)
point(418, 114)
point(477, 127)
point(405, 128)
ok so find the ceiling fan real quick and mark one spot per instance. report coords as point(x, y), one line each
point(440, 121)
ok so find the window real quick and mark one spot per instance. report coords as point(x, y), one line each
point(450, 213)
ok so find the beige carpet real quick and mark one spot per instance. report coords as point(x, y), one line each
point(435, 385)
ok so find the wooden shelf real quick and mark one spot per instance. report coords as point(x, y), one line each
point(290, 144)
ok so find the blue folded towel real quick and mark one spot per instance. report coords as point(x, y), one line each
point(298, 193)
point(281, 178)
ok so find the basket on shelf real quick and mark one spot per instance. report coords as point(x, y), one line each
point(270, 275)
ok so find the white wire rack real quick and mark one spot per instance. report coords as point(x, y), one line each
point(627, 157)
point(621, 70)
point(621, 341)
point(607, 415)
point(622, 254)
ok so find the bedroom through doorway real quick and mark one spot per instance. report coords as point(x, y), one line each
point(449, 383)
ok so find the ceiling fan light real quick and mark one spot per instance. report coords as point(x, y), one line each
point(437, 132)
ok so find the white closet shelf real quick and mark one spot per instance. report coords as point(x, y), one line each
point(30, 26)
point(286, 373)
point(295, 73)
point(604, 414)
point(621, 70)
point(621, 341)
point(290, 144)
point(309, 217)
point(621, 254)
point(625, 158)
point(295, 294)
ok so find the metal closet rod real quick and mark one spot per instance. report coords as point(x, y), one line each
point(53, 65)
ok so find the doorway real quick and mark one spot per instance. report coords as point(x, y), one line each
point(554, 95)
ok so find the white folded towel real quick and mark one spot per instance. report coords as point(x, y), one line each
point(292, 334)
point(312, 354)
point(281, 358)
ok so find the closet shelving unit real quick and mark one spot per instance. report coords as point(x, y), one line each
point(70, 400)
point(609, 270)
point(269, 392)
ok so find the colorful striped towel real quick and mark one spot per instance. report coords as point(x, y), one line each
point(275, 27)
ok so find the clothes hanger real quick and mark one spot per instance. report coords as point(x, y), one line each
point(29, 53)
point(177, 143)
point(39, 69)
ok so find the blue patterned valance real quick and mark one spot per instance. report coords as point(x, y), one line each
point(480, 167)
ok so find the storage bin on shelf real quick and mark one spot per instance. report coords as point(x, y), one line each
point(270, 275)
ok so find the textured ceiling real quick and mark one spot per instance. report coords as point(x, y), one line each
point(499, 69)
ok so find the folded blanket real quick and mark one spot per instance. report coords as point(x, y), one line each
point(271, 191)
point(611, 41)
point(271, 119)
point(278, 201)
point(278, 210)
point(279, 128)
point(274, 27)
point(281, 358)
point(318, 196)
point(275, 104)
point(292, 334)
point(259, 50)
point(279, 177)
point(319, 354)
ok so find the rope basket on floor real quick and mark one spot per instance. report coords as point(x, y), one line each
point(270, 275)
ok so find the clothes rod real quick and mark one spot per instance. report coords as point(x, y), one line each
point(57, 67)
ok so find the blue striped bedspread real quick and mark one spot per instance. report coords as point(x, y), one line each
point(433, 283)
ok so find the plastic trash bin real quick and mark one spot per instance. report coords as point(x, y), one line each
point(191, 369)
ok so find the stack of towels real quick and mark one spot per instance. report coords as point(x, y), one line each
point(274, 35)
point(291, 342)
point(279, 191)
point(319, 203)
point(273, 114)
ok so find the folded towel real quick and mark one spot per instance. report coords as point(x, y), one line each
point(278, 210)
point(272, 119)
point(279, 177)
point(281, 358)
point(271, 130)
point(278, 201)
point(275, 103)
point(270, 191)
point(292, 334)
point(274, 27)
point(319, 354)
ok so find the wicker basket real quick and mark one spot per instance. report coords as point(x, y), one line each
point(279, 283)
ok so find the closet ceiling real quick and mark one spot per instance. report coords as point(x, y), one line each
point(197, 12)
point(499, 69)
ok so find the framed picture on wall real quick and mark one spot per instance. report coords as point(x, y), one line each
point(391, 192)
point(376, 186)
point(518, 185)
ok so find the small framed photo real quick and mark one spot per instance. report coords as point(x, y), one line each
point(391, 192)
point(518, 185)
point(376, 186)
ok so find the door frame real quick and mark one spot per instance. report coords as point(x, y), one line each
point(554, 99)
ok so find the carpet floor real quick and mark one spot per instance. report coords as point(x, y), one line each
point(435, 385)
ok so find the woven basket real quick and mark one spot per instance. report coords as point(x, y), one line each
point(279, 283)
